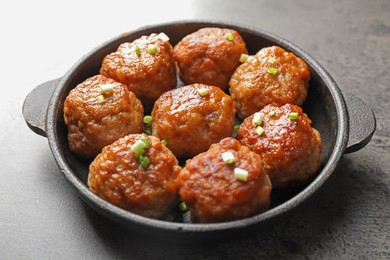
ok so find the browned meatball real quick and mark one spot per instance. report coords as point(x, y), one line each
point(148, 72)
point(193, 117)
point(272, 76)
point(212, 191)
point(117, 176)
point(95, 119)
point(209, 56)
point(290, 148)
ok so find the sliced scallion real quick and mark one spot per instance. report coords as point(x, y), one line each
point(152, 49)
point(146, 142)
point(163, 37)
point(148, 120)
point(164, 142)
point(271, 60)
point(144, 161)
point(293, 115)
point(241, 174)
point(259, 130)
point(138, 148)
point(272, 70)
point(243, 57)
point(229, 36)
point(183, 206)
point(272, 113)
point(203, 92)
point(106, 88)
point(100, 99)
point(137, 50)
point(228, 157)
point(257, 119)
point(236, 127)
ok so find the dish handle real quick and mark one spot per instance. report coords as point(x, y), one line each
point(362, 123)
point(35, 106)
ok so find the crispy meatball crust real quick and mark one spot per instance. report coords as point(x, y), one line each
point(291, 149)
point(208, 186)
point(93, 124)
point(252, 86)
point(147, 75)
point(207, 56)
point(191, 122)
point(116, 176)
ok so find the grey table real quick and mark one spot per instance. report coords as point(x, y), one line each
point(41, 215)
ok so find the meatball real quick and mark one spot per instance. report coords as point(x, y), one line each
point(272, 76)
point(193, 117)
point(213, 193)
point(98, 112)
point(209, 56)
point(146, 66)
point(118, 176)
point(290, 148)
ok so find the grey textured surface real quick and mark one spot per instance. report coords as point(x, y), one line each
point(41, 217)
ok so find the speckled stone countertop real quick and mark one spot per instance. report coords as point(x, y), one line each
point(41, 215)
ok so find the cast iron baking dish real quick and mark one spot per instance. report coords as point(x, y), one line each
point(345, 122)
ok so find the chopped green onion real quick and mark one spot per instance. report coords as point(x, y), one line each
point(203, 92)
point(241, 174)
point(229, 36)
point(100, 99)
point(272, 70)
point(144, 161)
point(148, 120)
point(146, 142)
point(106, 88)
point(228, 157)
point(152, 49)
point(293, 115)
point(163, 37)
point(272, 113)
point(236, 127)
point(243, 57)
point(183, 206)
point(164, 142)
point(271, 60)
point(257, 119)
point(138, 148)
point(259, 130)
point(137, 50)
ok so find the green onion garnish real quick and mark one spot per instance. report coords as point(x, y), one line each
point(236, 127)
point(183, 206)
point(146, 142)
point(293, 115)
point(272, 70)
point(241, 174)
point(271, 60)
point(163, 37)
point(137, 50)
point(257, 119)
point(152, 49)
point(106, 88)
point(271, 114)
point(203, 92)
point(138, 148)
point(148, 120)
point(229, 36)
point(228, 157)
point(164, 142)
point(144, 161)
point(100, 99)
point(259, 130)
point(243, 57)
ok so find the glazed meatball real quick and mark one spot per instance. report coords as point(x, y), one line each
point(290, 148)
point(209, 56)
point(213, 193)
point(146, 66)
point(98, 112)
point(272, 76)
point(118, 175)
point(193, 117)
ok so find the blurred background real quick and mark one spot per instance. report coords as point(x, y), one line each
point(41, 217)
